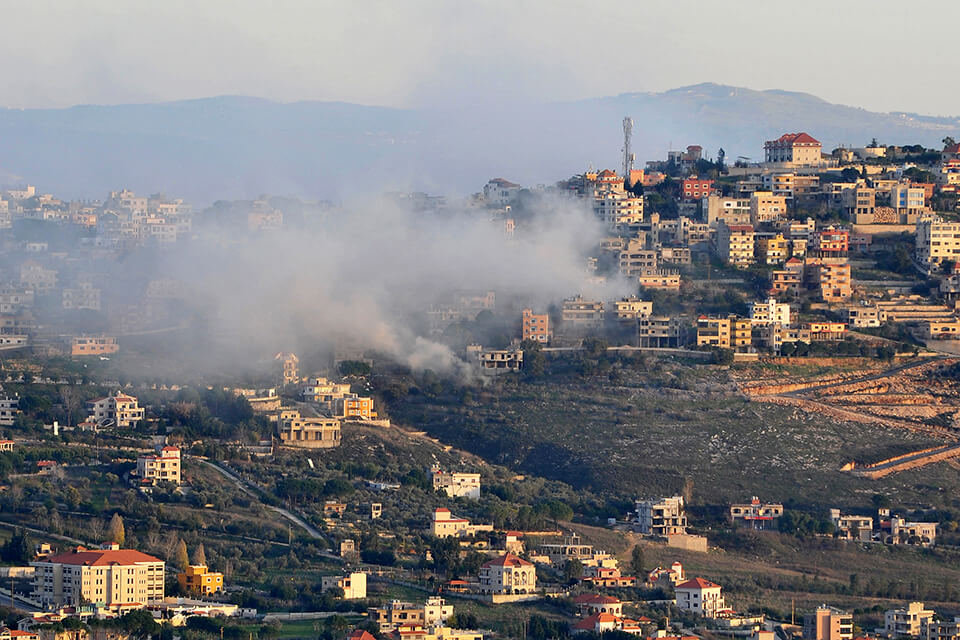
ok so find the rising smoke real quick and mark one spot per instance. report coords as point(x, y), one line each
point(364, 274)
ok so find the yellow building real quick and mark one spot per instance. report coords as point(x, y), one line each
point(312, 433)
point(93, 346)
point(731, 332)
point(354, 407)
point(766, 206)
point(775, 250)
point(735, 244)
point(119, 410)
point(200, 580)
point(164, 466)
point(508, 574)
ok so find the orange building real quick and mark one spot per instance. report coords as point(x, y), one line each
point(832, 241)
point(536, 326)
point(352, 406)
point(198, 579)
point(93, 346)
point(695, 188)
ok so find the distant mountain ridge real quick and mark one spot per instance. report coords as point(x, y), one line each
point(232, 147)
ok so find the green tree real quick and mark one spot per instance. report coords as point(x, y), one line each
point(573, 570)
point(637, 560)
point(948, 142)
point(116, 533)
point(18, 549)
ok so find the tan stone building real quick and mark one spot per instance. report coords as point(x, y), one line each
point(118, 410)
point(310, 433)
point(828, 623)
point(508, 574)
point(114, 577)
point(793, 149)
point(731, 332)
point(735, 244)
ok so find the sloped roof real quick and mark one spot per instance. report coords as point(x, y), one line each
point(697, 583)
point(507, 560)
point(594, 598)
point(101, 557)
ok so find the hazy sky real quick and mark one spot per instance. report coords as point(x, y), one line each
point(879, 54)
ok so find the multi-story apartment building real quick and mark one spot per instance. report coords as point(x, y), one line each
point(9, 409)
point(793, 149)
point(834, 281)
point(661, 331)
point(93, 346)
point(695, 188)
point(755, 513)
point(828, 623)
point(769, 312)
point(659, 279)
point(323, 391)
point(636, 260)
point(535, 326)
point(859, 203)
point(199, 580)
point(941, 630)
point(788, 184)
point(496, 361)
point(110, 576)
point(700, 597)
point(766, 207)
point(119, 410)
point(735, 244)
point(295, 430)
point(773, 249)
point(937, 241)
point(34, 275)
point(508, 574)
point(908, 201)
point(661, 517)
point(445, 525)
point(164, 466)
point(629, 310)
point(731, 332)
point(456, 484)
point(581, 313)
point(618, 208)
point(906, 623)
point(353, 407)
point(395, 613)
point(832, 242)
point(84, 296)
point(730, 211)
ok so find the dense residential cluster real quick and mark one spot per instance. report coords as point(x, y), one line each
point(855, 252)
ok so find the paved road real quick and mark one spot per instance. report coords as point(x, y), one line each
point(912, 458)
point(873, 376)
point(246, 488)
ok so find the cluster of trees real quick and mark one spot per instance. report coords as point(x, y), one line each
point(313, 489)
point(803, 524)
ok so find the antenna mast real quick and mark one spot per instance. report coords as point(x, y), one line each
point(627, 150)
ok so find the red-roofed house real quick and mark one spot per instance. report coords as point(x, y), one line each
point(508, 574)
point(360, 634)
point(6, 445)
point(113, 577)
point(793, 149)
point(700, 596)
point(164, 466)
point(591, 603)
point(608, 577)
point(600, 622)
point(13, 634)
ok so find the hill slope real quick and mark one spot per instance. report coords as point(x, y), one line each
point(239, 147)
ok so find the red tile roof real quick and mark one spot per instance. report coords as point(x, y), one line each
point(594, 598)
point(797, 138)
point(697, 583)
point(101, 557)
point(360, 634)
point(507, 560)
